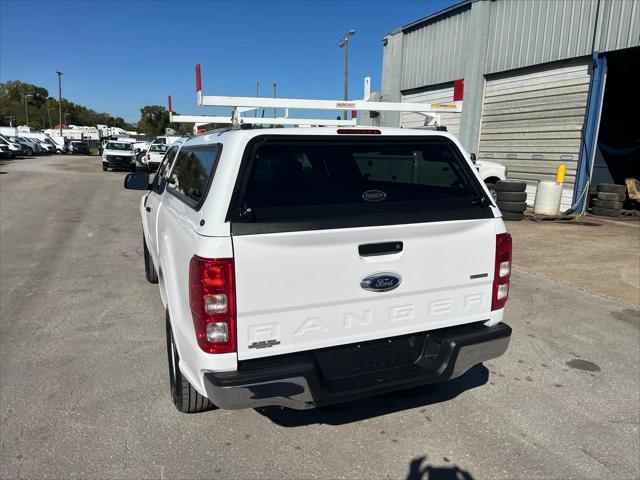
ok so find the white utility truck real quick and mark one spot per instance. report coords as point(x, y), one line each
point(301, 267)
point(119, 154)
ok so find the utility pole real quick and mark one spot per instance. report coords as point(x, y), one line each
point(60, 99)
point(26, 108)
point(344, 43)
point(255, 112)
point(275, 94)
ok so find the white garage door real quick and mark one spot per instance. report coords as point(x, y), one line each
point(531, 123)
point(441, 95)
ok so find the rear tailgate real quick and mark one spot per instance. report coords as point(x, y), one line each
point(301, 290)
point(334, 255)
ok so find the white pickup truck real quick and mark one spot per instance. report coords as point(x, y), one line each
point(301, 267)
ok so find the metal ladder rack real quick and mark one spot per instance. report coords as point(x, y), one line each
point(245, 104)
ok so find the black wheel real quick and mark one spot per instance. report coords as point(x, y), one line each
point(515, 207)
point(512, 196)
point(605, 212)
point(149, 268)
point(611, 197)
point(28, 152)
point(493, 191)
point(104, 168)
point(184, 396)
point(613, 188)
point(512, 216)
point(504, 186)
point(607, 204)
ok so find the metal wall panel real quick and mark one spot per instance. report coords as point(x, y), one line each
point(532, 122)
point(436, 53)
point(618, 25)
point(529, 32)
point(440, 95)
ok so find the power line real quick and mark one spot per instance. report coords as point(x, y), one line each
point(307, 72)
point(163, 44)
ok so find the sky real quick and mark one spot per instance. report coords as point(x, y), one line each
point(118, 56)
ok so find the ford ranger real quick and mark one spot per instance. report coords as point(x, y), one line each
point(300, 267)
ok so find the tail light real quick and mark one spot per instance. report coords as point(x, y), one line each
point(213, 306)
point(502, 272)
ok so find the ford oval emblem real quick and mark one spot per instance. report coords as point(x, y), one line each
point(374, 195)
point(381, 282)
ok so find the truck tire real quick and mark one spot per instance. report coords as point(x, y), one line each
point(612, 188)
point(492, 190)
point(513, 207)
point(512, 216)
point(149, 269)
point(612, 197)
point(104, 168)
point(28, 152)
point(607, 204)
point(605, 212)
point(184, 396)
point(512, 196)
point(506, 186)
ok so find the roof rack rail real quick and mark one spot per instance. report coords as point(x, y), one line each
point(245, 104)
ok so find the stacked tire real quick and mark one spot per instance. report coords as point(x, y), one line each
point(512, 200)
point(609, 201)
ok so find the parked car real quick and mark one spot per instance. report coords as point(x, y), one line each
point(5, 153)
point(33, 144)
point(119, 154)
point(78, 147)
point(59, 143)
point(26, 148)
point(166, 140)
point(14, 149)
point(304, 267)
point(46, 148)
point(490, 172)
point(154, 156)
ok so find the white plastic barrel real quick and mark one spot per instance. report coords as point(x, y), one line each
point(548, 197)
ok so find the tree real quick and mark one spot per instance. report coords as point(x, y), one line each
point(43, 110)
point(153, 120)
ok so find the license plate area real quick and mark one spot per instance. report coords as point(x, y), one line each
point(366, 358)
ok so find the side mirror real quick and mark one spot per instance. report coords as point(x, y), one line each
point(473, 158)
point(137, 181)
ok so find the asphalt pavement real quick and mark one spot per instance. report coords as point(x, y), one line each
point(84, 385)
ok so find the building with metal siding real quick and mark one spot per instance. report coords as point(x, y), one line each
point(527, 67)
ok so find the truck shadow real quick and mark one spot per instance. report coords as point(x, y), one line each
point(372, 407)
point(418, 471)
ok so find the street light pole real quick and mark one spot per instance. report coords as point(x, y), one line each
point(275, 94)
point(60, 100)
point(344, 43)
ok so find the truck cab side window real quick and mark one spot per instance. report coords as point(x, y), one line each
point(159, 180)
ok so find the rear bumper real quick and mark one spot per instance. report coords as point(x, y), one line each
point(313, 379)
